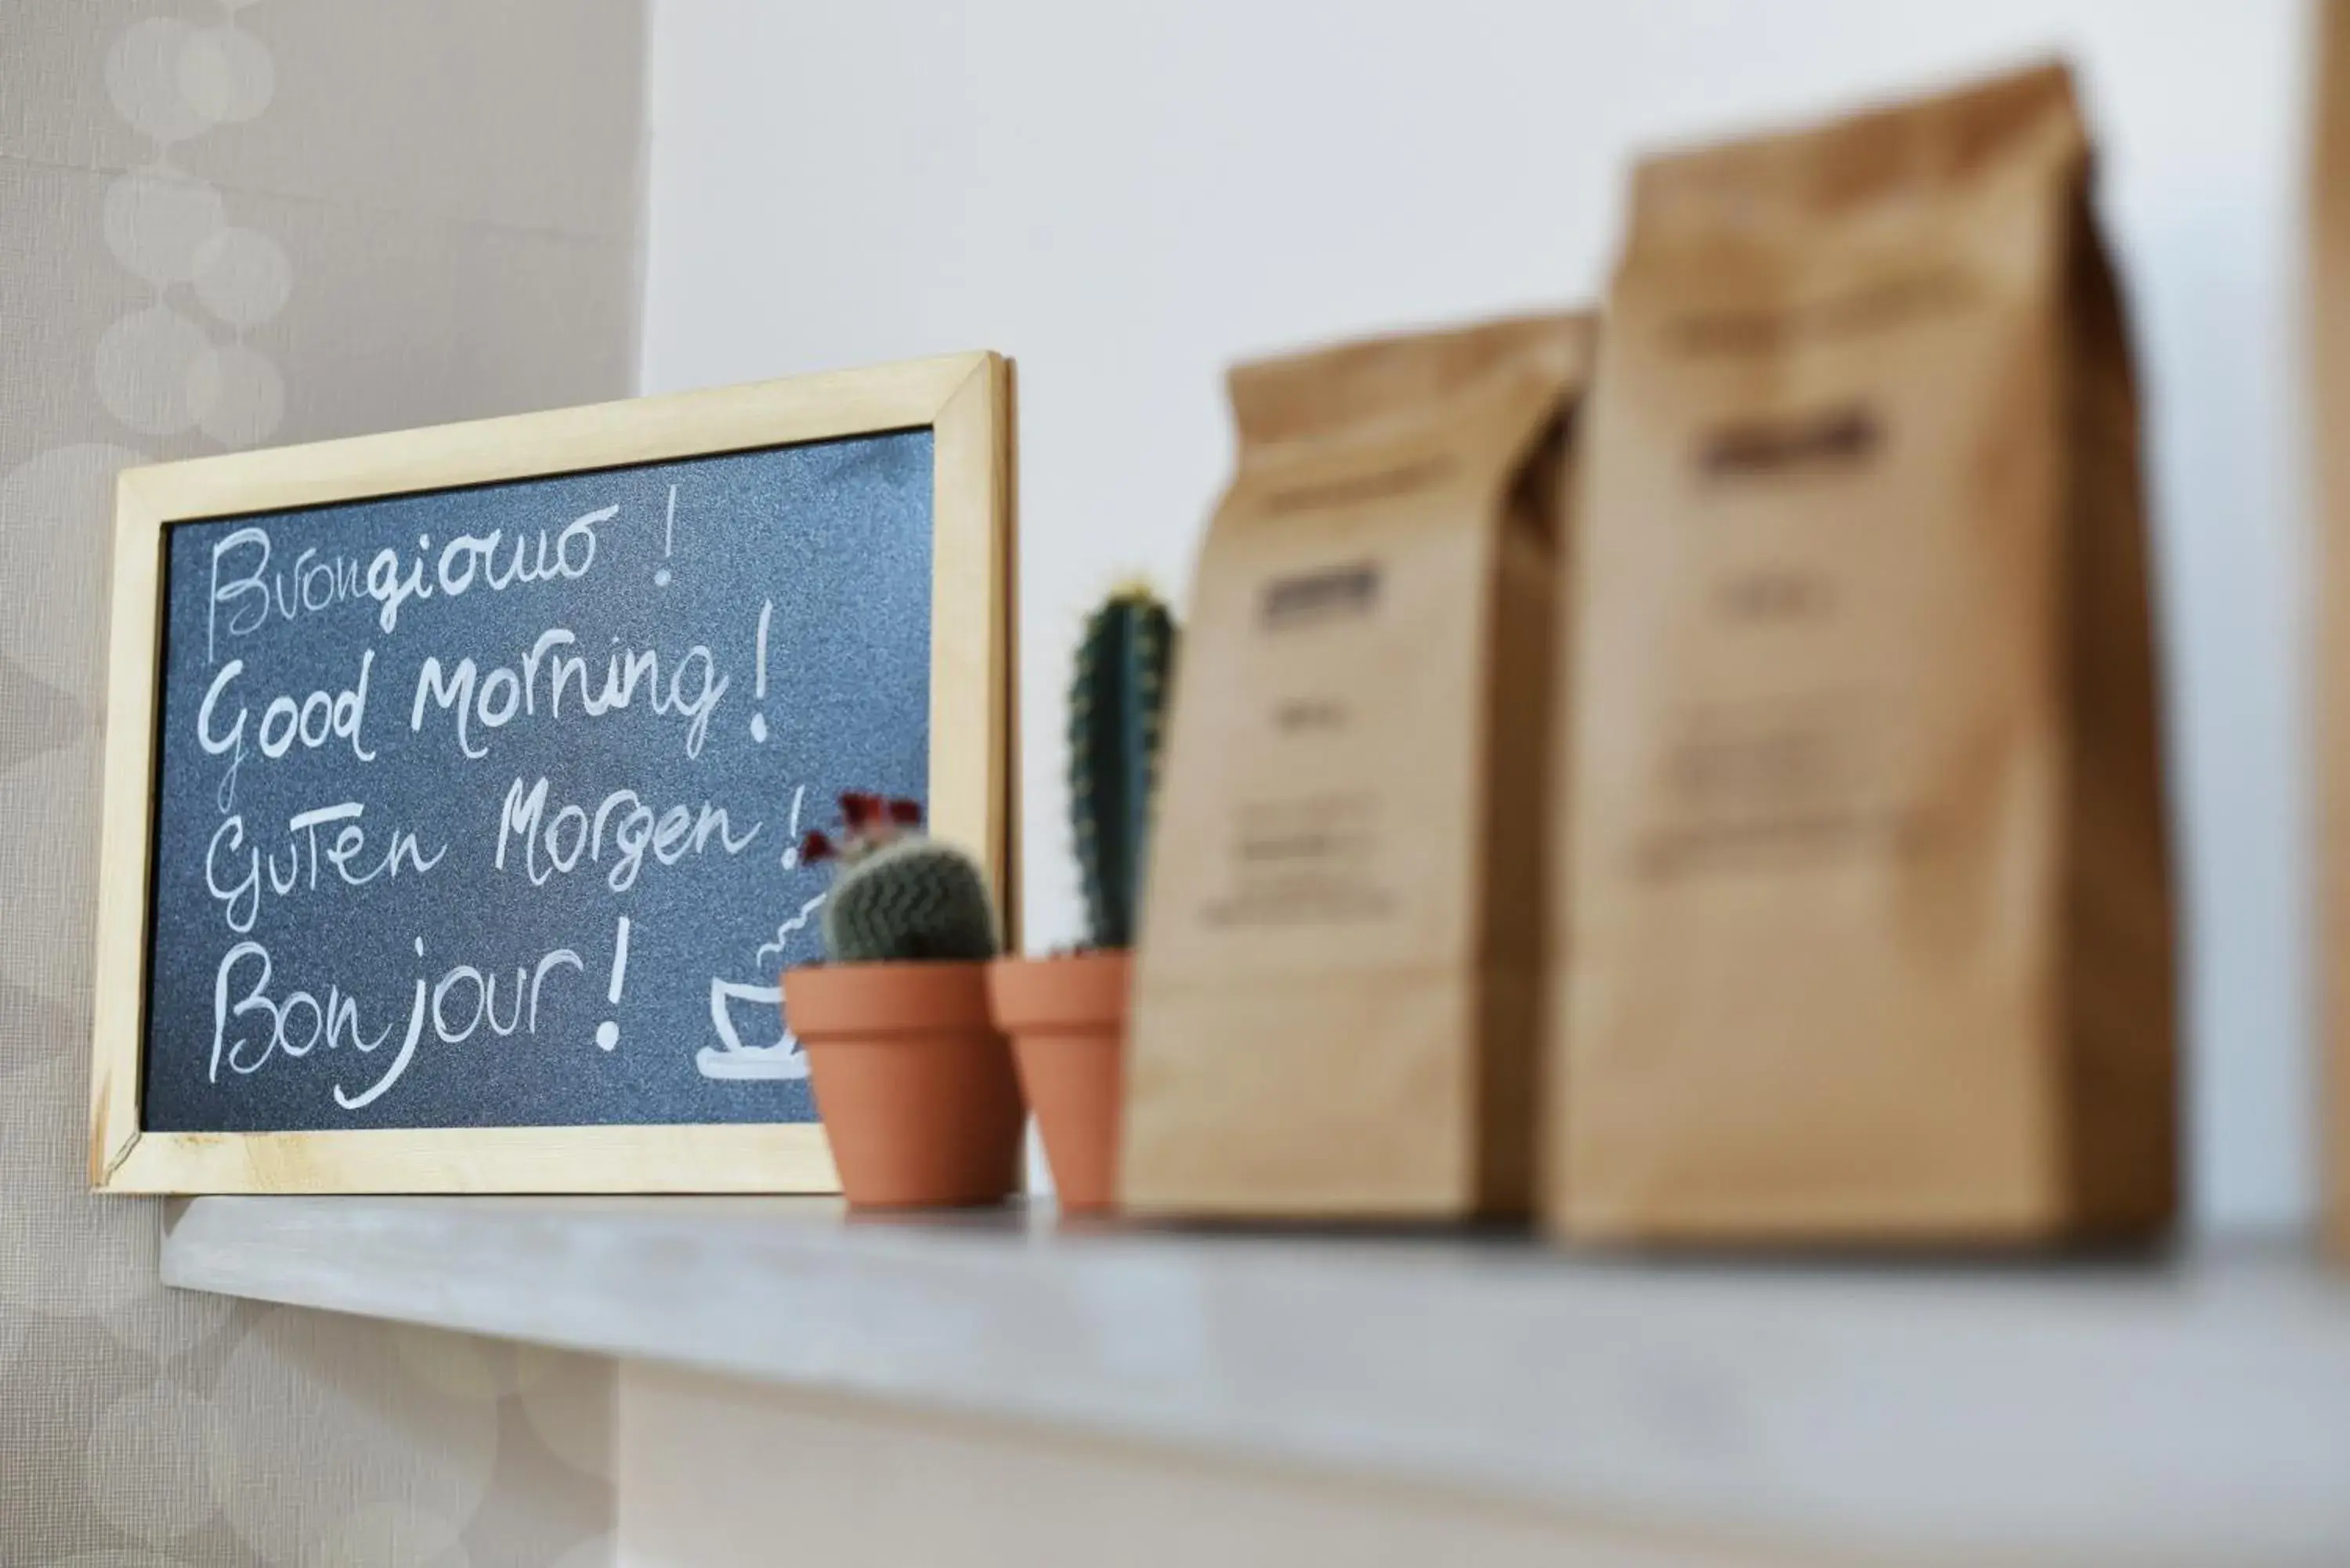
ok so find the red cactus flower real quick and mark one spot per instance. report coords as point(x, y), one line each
point(815, 846)
point(858, 808)
point(906, 813)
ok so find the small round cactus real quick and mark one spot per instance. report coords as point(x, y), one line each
point(899, 895)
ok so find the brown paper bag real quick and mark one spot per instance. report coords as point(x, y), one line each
point(1868, 901)
point(2330, 277)
point(1337, 992)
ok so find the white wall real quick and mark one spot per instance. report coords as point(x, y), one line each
point(1127, 197)
point(710, 1469)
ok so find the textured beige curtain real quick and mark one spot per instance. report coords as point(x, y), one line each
point(225, 224)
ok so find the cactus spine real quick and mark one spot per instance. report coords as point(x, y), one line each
point(899, 895)
point(1117, 705)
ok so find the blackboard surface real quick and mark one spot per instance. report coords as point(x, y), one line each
point(366, 911)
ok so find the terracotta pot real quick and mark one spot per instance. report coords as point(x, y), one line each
point(1066, 1017)
point(915, 1085)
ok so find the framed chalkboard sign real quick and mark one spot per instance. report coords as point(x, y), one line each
point(454, 778)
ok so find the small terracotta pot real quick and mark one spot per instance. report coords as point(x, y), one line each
point(1066, 1017)
point(914, 1084)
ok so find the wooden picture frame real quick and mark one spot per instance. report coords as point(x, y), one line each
point(965, 401)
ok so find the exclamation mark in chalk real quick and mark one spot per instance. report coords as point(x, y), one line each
point(608, 1033)
point(669, 539)
point(759, 684)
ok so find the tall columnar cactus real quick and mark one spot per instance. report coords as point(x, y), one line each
point(1117, 704)
point(897, 894)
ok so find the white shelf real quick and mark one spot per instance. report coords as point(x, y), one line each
point(2195, 1411)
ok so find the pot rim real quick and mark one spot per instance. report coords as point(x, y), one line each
point(899, 997)
point(1087, 956)
point(1069, 993)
